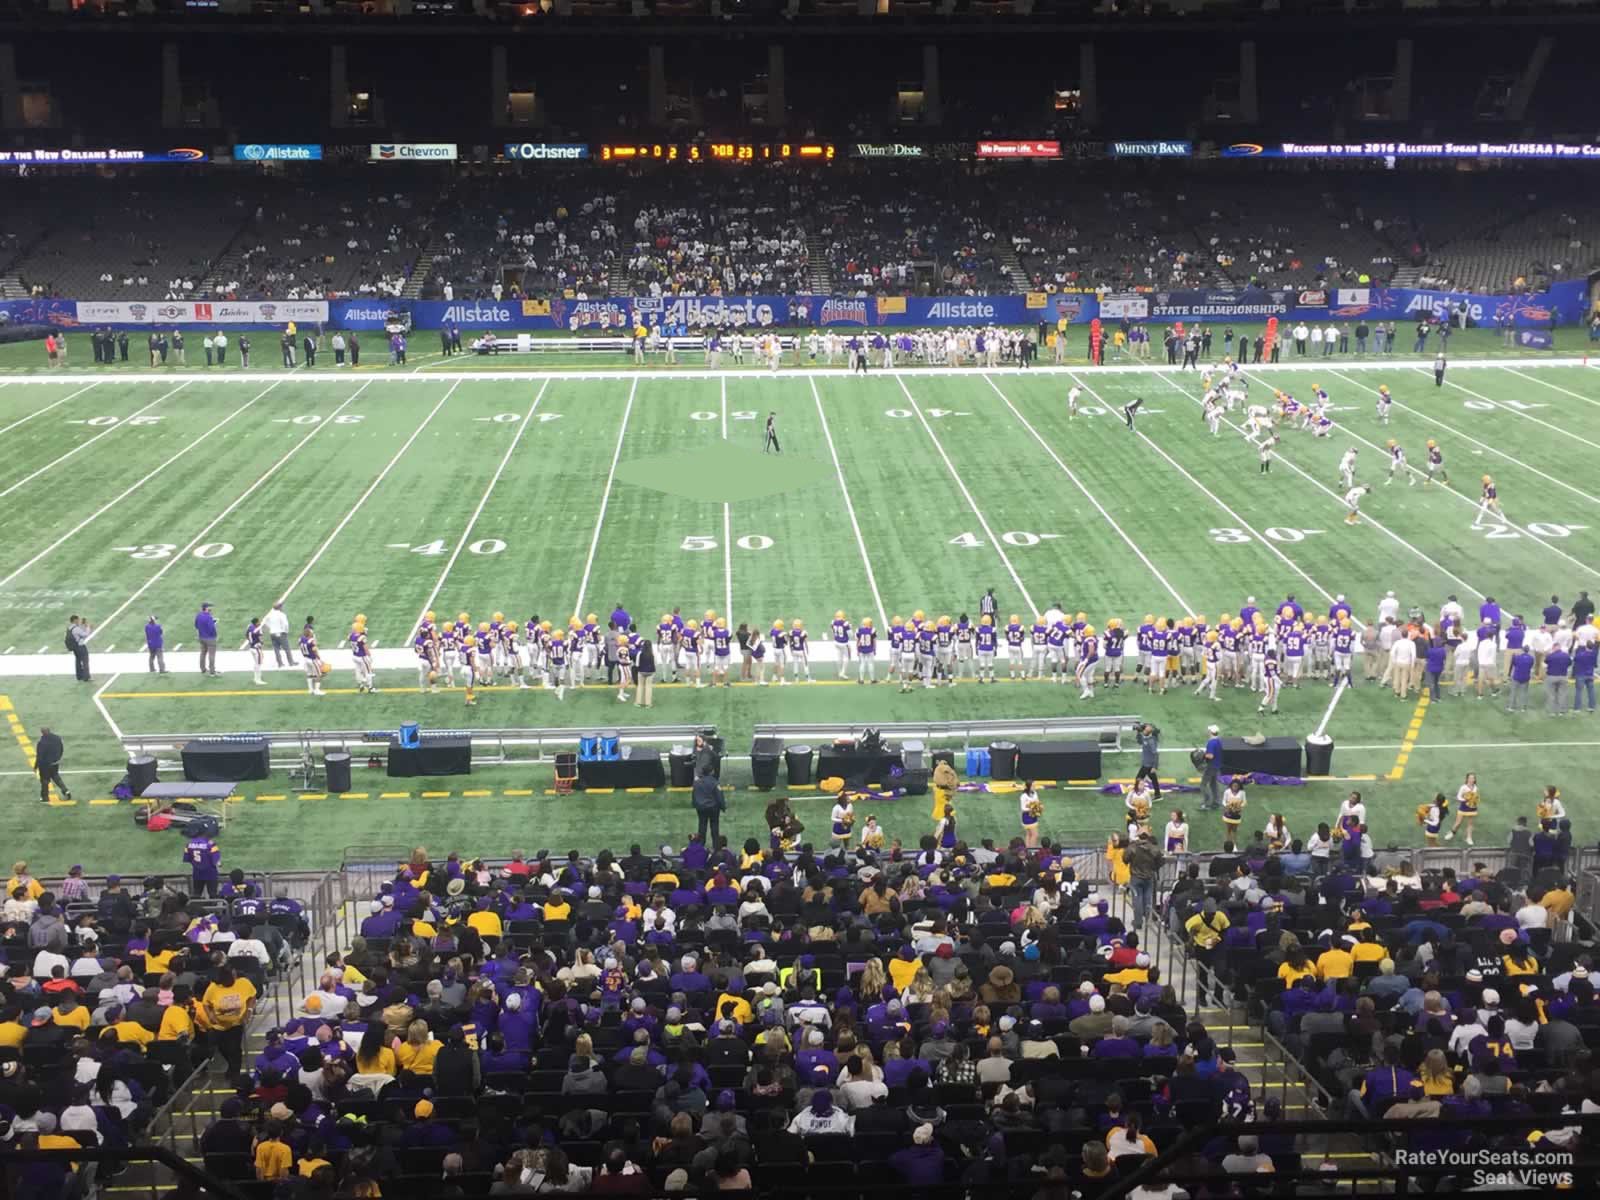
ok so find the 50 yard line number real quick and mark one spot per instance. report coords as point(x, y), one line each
point(750, 541)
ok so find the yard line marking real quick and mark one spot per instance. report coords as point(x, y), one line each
point(850, 508)
point(99, 702)
point(1409, 742)
point(1465, 498)
point(87, 442)
point(605, 500)
point(223, 515)
point(372, 487)
point(1491, 449)
point(1344, 686)
point(994, 541)
point(727, 529)
point(483, 500)
point(41, 412)
point(130, 490)
point(1554, 387)
point(1517, 411)
point(1088, 495)
point(1339, 500)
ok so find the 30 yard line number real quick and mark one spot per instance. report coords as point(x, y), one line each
point(154, 550)
point(1229, 536)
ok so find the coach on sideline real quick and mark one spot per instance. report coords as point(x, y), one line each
point(47, 753)
point(276, 623)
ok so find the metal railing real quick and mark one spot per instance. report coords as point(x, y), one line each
point(1108, 731)
point(288, 750)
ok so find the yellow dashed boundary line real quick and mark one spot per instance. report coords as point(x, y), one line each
point(1413, 730)
point(25, 744)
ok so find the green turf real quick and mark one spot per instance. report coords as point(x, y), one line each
point(374, 496)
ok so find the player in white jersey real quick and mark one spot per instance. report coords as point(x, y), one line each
point(1211, 655)
point(1213, 414)
point(1258, 419)
point(1347, 469)
point(1397, 462)
point(1233, 395)
point(1352, 504)
point(1073, 395)
point(1385, 403)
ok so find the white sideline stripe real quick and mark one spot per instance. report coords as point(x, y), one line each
point(1088, 495)
point(1491, 449)
point(1327, 716)
point(849, 507)
point(1517, 411)
point(605, 500)
point(371, 487)
point(116, 730)
point(472, 521)
point(87, 442)
point(727, 528)
point(1502, 520)
point(225, 513)
point(787, 373)
point(41, 411)
point(129, 490)
point(1339, 500)
point(1554, 387)
point(971, 503)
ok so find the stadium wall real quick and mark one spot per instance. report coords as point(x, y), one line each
point(1564, 303)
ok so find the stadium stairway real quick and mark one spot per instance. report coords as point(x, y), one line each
point(1012, 266)
point(421, 270)
point(1256, 1055)
point(11, 288)
point(817, 266)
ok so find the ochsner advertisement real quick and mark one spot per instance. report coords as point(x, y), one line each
point(201, 312)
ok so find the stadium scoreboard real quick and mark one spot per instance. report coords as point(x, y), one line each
point(694, 152)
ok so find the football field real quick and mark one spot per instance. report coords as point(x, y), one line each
point(564, 493)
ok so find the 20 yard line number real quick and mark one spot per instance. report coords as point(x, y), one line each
point(750, 541)
point(1544, 529)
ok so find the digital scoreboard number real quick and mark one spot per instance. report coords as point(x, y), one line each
point(694, 152)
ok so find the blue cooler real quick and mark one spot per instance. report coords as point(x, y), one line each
point(589, 748)
point(610, 746)
point(410, 738)
point(972, 763)
point(983, 762)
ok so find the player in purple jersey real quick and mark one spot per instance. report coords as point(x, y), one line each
point(1088, 663)
point(866, 652)
point(842, 634)
point(800, 649)
point(667, 647)
point(559, 664)
point(986, 641)
point(1115, 638)
point(361, 655)
point(427, 672)
point(312, 658)
point(1016, 643)
point(721, 642)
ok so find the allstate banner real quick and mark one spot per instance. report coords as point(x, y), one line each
point(201, 312)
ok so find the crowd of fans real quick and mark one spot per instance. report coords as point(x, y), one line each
point(879, 228)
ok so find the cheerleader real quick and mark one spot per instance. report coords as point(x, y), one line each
point(945, 830)
point(1466, 807)
point(1233, 805)
point(1276, 831)
point(1138, 805)
point(1431, 817)
point(1551, 811)
point(1032, 809)
point(1177, 833)
point(844, 816)
point(872, 833)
